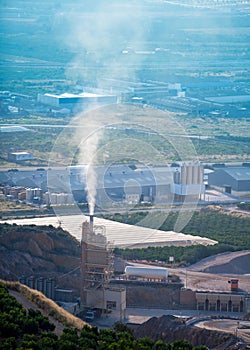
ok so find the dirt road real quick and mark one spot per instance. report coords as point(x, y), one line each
point(236, 327)
point(27, 304)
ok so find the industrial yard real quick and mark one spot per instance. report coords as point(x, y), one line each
point(211, 274)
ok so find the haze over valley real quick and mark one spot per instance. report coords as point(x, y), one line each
point(125, 174)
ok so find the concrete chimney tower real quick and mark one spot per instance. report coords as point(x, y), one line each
point(91, 223)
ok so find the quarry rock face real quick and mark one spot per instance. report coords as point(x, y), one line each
point(37, 251)
point(21, 240)
point(31, 246)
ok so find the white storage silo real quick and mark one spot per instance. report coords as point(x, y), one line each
point(158, 273)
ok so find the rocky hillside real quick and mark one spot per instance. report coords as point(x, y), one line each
point(169, 328)
point(37, 251)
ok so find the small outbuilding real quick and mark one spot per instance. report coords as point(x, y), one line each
point(20, 156)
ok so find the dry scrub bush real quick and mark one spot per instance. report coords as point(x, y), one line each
point(48, 305)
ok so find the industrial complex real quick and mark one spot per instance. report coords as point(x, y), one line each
point(102, 289)
point(106, 290)
point(148, 287)
point(125, 184)
point(115, 183)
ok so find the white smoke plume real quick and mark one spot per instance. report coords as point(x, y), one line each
point(88, 154)
point(89, 133)
point(99, 35)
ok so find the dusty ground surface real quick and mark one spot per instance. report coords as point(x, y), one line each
point(235, 211)
point(27, 304)
point(232, 262)
point(238, 328)
point(210, 282)
point(213, 273)
point(195, 278)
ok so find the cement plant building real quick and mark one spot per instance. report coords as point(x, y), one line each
point(96, 272)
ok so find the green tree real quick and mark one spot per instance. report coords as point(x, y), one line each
point(48, 341)
point(43, 322)
point(122, 344)
point(181, 345)
point(66, 345)
point(9, 329)
point(8, 344)
point(69, 334)
point(88, 337)
point(29, 341)
point(120, 327)
point(107, 335)
point(143, 344)
point(160, 345)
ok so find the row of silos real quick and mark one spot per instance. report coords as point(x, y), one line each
point(58, 198)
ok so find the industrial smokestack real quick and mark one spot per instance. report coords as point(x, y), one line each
point(91, 222)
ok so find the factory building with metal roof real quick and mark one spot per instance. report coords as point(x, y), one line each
point(71, 101)
point(234, 180)
point(137, 184)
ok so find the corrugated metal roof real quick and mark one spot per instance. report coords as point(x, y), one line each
point(146, 177)
point(238, 173)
